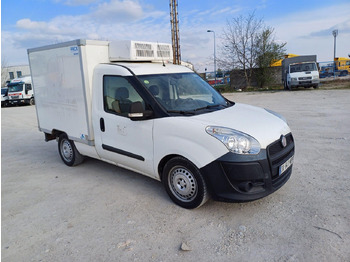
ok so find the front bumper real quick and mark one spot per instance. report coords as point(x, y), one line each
point(305, 83)
point(18, 101)
point(240, 178)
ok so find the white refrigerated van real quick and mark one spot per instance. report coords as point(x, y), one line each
point(121, 102)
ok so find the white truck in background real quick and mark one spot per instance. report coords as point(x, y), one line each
point(20, 91)
point(123, 103)
point(300, 71)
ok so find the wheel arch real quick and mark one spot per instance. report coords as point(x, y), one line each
point(163, 162)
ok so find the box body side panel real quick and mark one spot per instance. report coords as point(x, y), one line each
point(62, 80)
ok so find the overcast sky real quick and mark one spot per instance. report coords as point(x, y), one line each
point(306, 26)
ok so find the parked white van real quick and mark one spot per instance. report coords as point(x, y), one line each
point(122, 103)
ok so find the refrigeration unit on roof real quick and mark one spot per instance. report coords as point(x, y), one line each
point(128, 50)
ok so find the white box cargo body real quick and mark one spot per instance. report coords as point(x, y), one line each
point(120, 102)
point(62, 77)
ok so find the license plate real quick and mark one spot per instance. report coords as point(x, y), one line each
point(286, 165)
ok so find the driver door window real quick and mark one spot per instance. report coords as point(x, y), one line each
point(119, 94)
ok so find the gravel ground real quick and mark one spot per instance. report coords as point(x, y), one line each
point(99, 212)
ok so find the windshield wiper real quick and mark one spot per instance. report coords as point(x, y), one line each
point(182, 112)
point(208, 107)
point(193, 112)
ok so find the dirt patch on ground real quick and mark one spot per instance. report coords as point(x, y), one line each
point(335, 83)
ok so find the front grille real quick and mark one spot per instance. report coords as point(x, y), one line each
point(305, 78)
point(277, 155)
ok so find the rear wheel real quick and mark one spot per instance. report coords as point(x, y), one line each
point(184, 183)
point(68, 152)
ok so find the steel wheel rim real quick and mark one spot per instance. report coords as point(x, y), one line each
point(182, 184)
point(66, 150)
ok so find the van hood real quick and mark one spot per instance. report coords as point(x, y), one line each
point(257, 122)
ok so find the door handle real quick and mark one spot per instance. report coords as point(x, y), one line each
point(102, 124)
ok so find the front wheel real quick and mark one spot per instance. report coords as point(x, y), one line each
point(184, 183)
point(68, 152)
point(32, 101)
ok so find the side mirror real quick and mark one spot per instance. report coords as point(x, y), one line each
point(138, 113)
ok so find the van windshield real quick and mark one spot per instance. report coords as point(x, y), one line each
point(15, 87)
point(183, 93)
point(303, 67)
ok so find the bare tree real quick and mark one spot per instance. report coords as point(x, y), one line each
point(4, 72)
point(246, 43)
point(240, 38)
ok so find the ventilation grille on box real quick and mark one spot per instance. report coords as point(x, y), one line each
point(144, 50)
point(128, 50)
point(163, 50)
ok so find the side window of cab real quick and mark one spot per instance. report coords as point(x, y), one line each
point(119, 94)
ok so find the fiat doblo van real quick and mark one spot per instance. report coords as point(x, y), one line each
point(123, 103)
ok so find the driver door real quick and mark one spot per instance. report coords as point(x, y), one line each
point(120, 140)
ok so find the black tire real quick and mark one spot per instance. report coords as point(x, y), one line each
point(68, 152)
point(315, 86)
point(285, 85)
point(32, 101)
point(184, 183)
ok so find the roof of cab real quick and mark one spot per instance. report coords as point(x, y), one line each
point(23, 79)
point(155, 68)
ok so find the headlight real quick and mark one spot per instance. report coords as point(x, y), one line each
point(294, 79)
point(235, 141)
point(316, 77)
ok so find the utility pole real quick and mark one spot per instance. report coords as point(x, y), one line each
point(335, 34)
point(212, 31)
point(175, 35)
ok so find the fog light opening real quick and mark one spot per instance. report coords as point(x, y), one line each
point(245, 186)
